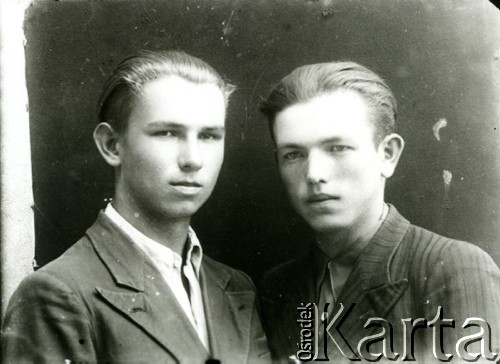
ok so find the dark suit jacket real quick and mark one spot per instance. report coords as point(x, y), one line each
point(404, 272)
point(104, 301)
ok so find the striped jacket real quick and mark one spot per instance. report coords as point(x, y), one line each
point(405, 272)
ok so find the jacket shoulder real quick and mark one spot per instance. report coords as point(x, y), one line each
point(456, 275)
point(432, 262)
point(457, 257)
point(437, 249)
point(68, 278)
point(77, 266)
point(43, 286)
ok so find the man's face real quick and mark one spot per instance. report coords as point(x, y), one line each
point(328, 160)
point(172, 149)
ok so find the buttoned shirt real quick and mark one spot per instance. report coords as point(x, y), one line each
point(171, 267)
point(330, 279)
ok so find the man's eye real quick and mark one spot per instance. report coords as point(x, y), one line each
point(290, 156)
point(338, 148)
point(210, 136)
point(165, 133)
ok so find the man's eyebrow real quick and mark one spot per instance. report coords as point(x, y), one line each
point(322, 142)
point(288, 145)
point(174, 125)
point(162, 123)
point(215, 129)
point(333, 140)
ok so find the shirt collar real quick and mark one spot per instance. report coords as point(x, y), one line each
point(159, 253)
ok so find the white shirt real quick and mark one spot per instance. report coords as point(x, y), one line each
point(169, 263)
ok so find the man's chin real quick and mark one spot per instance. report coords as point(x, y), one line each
point(180, 212)
point(325, 224)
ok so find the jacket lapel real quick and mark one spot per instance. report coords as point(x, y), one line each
point(375, 264)
point(370, 286)
point(141, 294)
point(229, 337)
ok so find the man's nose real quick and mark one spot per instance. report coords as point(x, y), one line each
point(318, 167)
point(190, 157)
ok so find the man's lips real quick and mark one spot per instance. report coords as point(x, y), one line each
point(186, 187)
point(321, 197)
point(186, 183)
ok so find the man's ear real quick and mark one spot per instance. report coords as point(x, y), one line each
point(106, 140)
point(391, 147)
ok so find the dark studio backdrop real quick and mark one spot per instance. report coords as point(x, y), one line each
point(440, 57)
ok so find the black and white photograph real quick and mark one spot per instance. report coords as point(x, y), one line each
point(250, 181)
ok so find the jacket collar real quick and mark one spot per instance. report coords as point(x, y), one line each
point(371, 271)
point(125, 261)
point(379, 291)
point(375, 260)
point(144, 298)
point(140, 293)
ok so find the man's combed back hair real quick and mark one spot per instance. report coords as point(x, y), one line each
point(121, 89)
point(309, 81)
